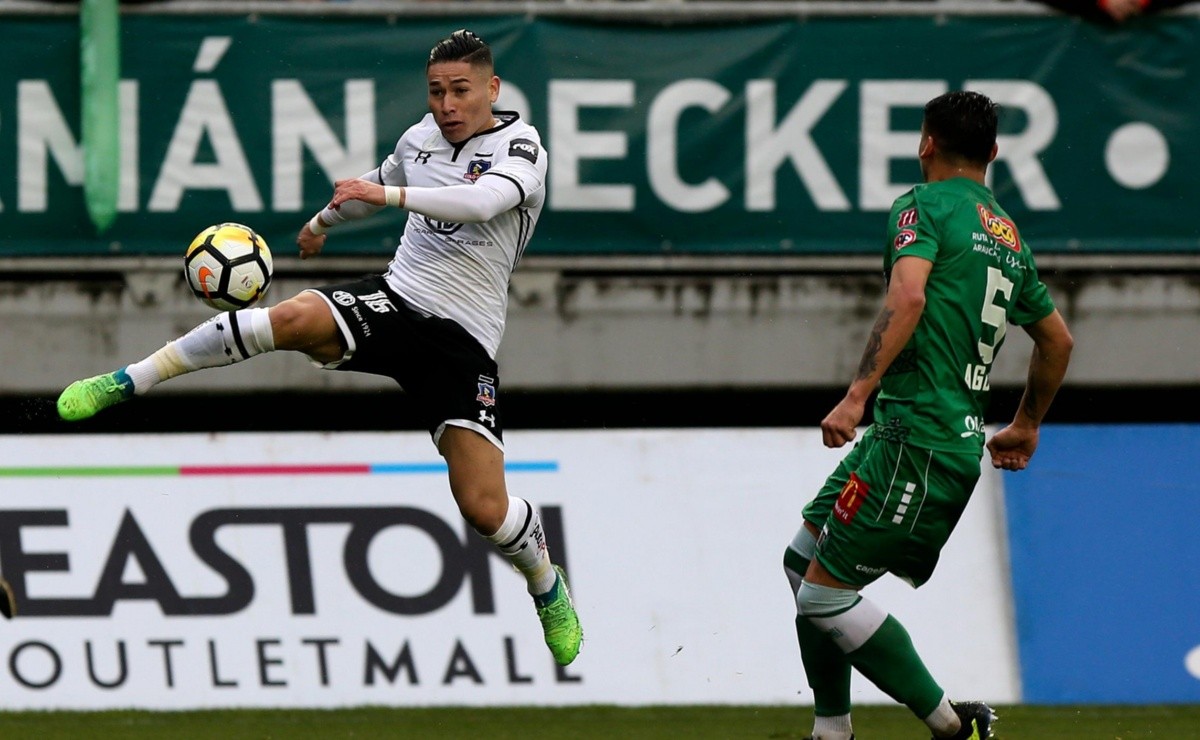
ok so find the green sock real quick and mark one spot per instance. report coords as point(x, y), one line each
point(827, 668)
point(889, 661)
point(825, 665)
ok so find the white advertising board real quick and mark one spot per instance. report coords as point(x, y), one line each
point(322, 570)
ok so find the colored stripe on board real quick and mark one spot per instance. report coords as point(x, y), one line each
point(117, 471)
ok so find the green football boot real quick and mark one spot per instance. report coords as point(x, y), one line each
point(560, 623)
point(85, 398)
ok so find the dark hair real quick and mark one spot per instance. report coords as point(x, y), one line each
point(963, 123)
point(461, 46)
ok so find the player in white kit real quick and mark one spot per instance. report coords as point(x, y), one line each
point(473, 182)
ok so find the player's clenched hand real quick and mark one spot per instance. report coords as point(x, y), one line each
point(838, 427)
point(309, 243)
point(1012, 446)
point(364, 190)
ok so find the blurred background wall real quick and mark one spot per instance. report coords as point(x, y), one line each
point(718, 190)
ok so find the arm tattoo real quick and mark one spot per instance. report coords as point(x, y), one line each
point(870, 358)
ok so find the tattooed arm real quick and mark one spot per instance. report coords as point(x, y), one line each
point(1012, 446)
point(897, 320)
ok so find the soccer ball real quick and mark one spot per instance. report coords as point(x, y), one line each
point(228, 266)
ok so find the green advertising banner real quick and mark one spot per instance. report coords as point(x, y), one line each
point(765, 137)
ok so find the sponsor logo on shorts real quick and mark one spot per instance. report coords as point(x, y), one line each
point(869, 570)
point(342, 298)
point(904, 238)
point(850, 500)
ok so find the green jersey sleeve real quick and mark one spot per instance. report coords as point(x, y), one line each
point(910, 232)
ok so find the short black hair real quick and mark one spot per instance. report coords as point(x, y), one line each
point(461, 46)
point(963, 123)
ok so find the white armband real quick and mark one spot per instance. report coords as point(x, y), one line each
point(315, 225)
point(391, 194)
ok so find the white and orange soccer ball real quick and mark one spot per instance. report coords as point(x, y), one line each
point(228, 266)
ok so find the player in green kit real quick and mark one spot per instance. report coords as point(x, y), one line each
point(958, 272)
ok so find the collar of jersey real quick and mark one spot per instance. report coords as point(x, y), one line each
point(515, 116)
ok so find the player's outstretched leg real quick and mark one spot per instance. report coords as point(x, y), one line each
point(560, 622)
point(222, 340)
point(977, 719)
point(85, 398)
point(8, 602)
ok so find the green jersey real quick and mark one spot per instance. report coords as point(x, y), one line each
point(936, 391)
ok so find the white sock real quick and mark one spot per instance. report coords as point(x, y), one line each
point(832, 728)
point(521, 540)
point(854, 619)
point(944, 721)
point(222, 340)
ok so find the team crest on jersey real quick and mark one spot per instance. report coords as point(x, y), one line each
point(487, 391)
point(475, 168)
point(850, 500)
point(1000, 229)
point(907, 218)
point(904, 238)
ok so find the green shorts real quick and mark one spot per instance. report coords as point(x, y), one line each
point(890, 507)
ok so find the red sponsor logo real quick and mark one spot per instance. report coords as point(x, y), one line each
point(904, 238)
point(850, 500)
point(999, 228)
point(907, 218)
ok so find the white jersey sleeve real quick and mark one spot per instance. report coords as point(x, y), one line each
point(483, 201)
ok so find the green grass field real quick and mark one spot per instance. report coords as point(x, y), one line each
point(587, 723)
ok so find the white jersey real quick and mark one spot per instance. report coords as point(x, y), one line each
point(461, 271)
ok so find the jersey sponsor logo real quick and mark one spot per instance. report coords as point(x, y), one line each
point(445, 228)
point(907, 218)
point(904, 238)
point(851, 499)
point(475, 168)
point(1001, 229)
point(422, 157)
point(487, 391)
point(342, 298)
point(523, 148)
